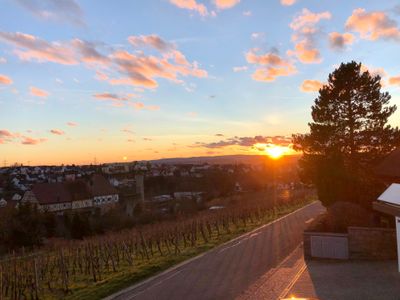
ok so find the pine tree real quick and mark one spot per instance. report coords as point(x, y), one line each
point(348, 135)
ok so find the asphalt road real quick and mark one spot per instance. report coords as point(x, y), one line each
point(228, 270)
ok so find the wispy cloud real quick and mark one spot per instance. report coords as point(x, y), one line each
point(247, 141)
point(55, 10)
point(72, 124)
point(34, 91)
point(57, 132)
point(5, 79)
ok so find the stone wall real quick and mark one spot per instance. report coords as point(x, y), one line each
point(363, 243)
point(372, 243)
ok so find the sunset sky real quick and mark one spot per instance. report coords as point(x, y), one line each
point(107, 80)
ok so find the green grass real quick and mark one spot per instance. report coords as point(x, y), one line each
point(84, 288)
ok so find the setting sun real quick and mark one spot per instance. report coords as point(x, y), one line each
point(275, 151)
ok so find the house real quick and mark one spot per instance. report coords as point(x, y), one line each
point(103, 193)
point(97, 192)
point(53, 197)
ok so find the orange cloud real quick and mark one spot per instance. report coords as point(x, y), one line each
point(305, 31)
point(308, 18)
point(374, 71)
point(5, 79)
point(373, 25)
point(224, 4)
point(72, 124)
point(288, 2)
point(30, 47)
point(26, 140)
point(339, 41)
point(191, 5)
point(311, 86)
point(270, 66)
point(305, 53)
point(137, 69)
point(88, 53)
point(394, 80)
point(140, 106)
point(57, 132)
point(142, 70)
point(109, 96)
point(150, 40)
point(34, 91)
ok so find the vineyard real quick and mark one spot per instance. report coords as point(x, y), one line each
point(95, 267)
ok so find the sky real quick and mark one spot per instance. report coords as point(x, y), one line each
point(103, 81)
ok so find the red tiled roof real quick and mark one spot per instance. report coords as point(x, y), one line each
point(100, 186)
point(50, 193)
point(47, 193)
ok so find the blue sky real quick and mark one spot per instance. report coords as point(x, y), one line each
point(85, 79)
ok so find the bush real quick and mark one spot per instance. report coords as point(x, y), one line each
point(341, 215)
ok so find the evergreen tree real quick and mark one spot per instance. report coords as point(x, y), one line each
point(348, 135)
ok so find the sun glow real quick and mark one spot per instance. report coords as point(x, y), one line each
point(276, 152)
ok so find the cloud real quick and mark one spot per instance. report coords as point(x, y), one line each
point(7, 136)
point(5, 133)
point(57, 132)
point(288, 2)
point(3, 60)
point(308, 18)
point(191, 5)
point(374, 71)
point(138, 69)
point(373, 25)
point(55, 10)
point(72, 124)
point(88, 53)
point(339, 41)
point(26, 140)
point(5, 79)
point(247, 141)
point(395, 80)
point(311, 86)
point(142, 106)
point(269, 66)
point(110, 96)
point(192, 114)
point(225, 4)
point(30, 47)
point(257, 35)
point(247, 13)
point(147, 139)
point(219, 134)
point(240, 69)
point(150, 40)
point(34, 91)
point(305, 30)
point(127, 130)
point(142, 70)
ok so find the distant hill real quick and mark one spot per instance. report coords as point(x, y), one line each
point(224, 159)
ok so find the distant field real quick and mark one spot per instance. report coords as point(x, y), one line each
point(102, 265)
